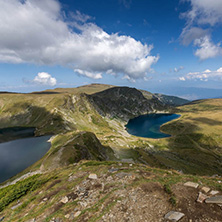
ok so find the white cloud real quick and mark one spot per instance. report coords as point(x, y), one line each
point(207, 49)
point(204, 76)
point(44, 78)
point(178, 69)
point(182, 79)
point(92, 75)
point(189, 34)
point(35, 32)
point(204, 12)
point(203, 15)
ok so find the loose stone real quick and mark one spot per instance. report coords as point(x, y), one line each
point(191, 184)
point(93, 176)
point(214, 192)
point(174, 216)
point(201, 197)
point(205, 189)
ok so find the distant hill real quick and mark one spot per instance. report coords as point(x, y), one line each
point(171, 100)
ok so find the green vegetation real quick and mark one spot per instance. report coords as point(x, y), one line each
point(15, 192)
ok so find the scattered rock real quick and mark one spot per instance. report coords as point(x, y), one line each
point(201, 197)
point(205, 189)
point(45, 199)
point(77, 213)
point(113, 170)
point(216, 200)
point(123, 174)
point(214, 192)
point(16, 206)
point(67, 216)
point(64, 200)
point(93, 176)
point(174, 216)
point(191, 184)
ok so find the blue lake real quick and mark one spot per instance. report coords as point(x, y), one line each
point(149, 125)
point(17, 155)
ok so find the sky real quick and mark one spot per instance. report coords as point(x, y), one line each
point(162, 46)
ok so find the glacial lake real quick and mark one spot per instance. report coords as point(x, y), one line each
point(149, 125)
point(17, 155)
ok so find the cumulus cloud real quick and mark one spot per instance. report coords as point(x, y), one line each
point(204, 76)
point(35, 32)
point(207, 49)
point(44, 78)
point(203, 13)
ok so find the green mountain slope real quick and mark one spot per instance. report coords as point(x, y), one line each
point(96, 171)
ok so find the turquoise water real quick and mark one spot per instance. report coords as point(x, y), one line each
point(149, 125)
point(17, 155)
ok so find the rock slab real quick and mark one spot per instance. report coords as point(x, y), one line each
point(174, 216)
point(93, 176)
point(216, 200)
point(191, 184)
point(205, 189)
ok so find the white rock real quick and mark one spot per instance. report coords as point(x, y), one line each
point(67, 216)
point(77, 213)
point(191, 184)
point(93, 176)
point(214, 192)
point(64, 200)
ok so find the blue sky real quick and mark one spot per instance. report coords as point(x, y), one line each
point(170, 47)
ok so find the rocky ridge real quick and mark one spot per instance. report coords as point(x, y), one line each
point(125, 103)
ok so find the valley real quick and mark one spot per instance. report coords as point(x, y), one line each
point(88, 125)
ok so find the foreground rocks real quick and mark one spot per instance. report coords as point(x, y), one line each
point(118, 193)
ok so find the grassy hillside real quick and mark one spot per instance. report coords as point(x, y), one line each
point(195, 145)
point(134, 175)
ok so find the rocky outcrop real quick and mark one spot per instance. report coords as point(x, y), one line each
point(124, 103)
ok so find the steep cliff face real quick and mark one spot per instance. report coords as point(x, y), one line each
point(124, 103)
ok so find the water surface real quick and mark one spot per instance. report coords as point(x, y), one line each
point(149, 125)
point(17, 155)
